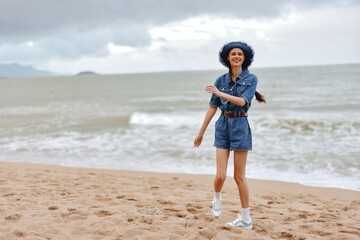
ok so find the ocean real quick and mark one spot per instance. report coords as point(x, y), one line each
point(308, 132)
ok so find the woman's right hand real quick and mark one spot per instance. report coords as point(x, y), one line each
point(198, 140)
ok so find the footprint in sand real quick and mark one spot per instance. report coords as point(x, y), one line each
point(77, 217)
point(286, 235)
point(262, 231)
point(165, 202)
point(307, 227)
point(327, 216)
point(103, 213)
point(288, 219)
point(274, 202)
point(189, 185)
point(65, 193)
point(120, 196)
point(322, 233)
point(181, 215)
point(74, 215)
point(350, 232)
point(102, 198)
point(9, 194)
point(132, 199)
point(19, 233)
point(209, 218)
point(177, 212)
point(234, 211)
point(171, 210)
point(194, 208)
point(146, 220)
point(139, 205)
point(305, 215)
point(207, 234)
point(13, 217)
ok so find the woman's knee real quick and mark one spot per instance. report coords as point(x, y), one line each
point(240, 180)
point(220, 178)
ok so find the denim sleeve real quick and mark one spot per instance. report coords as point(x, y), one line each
point(214, 100)
point(249, 93)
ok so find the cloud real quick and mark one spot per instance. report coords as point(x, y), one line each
point(80, 29)
point(23, 20)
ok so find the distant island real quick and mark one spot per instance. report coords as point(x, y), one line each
point(87, 73)
point(14, 70)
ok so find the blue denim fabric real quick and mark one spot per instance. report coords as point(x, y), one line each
point(234, 133)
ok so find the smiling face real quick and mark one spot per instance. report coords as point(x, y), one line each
point(236, 57)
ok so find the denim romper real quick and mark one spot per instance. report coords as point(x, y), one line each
point(234, 133)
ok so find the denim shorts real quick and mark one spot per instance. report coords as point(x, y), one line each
point(233, 133)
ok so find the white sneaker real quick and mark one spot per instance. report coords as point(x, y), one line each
point(216, 207)
point(240, 223)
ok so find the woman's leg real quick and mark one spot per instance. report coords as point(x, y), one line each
point(222, 158)
point(240, 178)
point(244, 220)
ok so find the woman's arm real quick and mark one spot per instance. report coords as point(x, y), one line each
point(235, 100)
point(208, 116)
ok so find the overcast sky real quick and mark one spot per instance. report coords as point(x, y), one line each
point(120, 36)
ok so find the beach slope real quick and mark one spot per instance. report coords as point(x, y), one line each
point(51, 202)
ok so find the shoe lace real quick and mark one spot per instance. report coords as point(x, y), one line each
point(217, 204)
point(237, 220)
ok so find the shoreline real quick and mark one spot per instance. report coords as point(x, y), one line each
point(42, 201)
point(229, 176)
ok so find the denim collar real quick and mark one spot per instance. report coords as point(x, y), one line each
point(243, 75)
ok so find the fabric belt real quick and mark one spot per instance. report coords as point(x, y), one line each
point(234, 114)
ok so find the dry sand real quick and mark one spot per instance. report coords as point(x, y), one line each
point(51, 202)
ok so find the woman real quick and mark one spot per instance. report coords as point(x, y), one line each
point(232, 93)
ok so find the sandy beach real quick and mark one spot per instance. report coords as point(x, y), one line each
point(52, 202)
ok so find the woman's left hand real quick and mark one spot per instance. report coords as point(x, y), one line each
point(212, 89)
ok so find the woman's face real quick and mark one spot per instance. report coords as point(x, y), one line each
point(236, 57)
